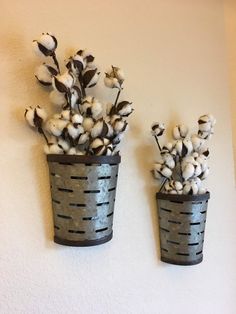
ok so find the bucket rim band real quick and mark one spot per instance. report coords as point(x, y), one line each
point(182, 198)
point(78, 159)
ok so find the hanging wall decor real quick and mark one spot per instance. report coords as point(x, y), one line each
point(182, 199)
point(82, 138)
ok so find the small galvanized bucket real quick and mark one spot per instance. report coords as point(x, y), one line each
point(182, 221)
point(83, 190)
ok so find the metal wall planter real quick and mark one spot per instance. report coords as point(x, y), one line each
point(182, 221)
point(83, 190)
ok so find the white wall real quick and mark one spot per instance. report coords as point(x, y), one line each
point(230, 28)
point(174, 56)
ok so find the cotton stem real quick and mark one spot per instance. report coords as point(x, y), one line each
point(56, 62)
point(41, 131)
point(117, 96)
point(156, 138)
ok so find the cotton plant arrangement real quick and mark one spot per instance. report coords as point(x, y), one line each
point(183, 165)
point(81, 125)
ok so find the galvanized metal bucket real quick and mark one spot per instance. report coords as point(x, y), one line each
point(182, 220)
point(83, 190)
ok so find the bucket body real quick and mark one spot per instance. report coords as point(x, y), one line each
point(182, 220)
point(83, 190)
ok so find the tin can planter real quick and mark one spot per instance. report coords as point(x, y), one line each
point(83, 190)
point(182, 220)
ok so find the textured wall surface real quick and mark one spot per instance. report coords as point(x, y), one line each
point(230, 28)
point(175, 58)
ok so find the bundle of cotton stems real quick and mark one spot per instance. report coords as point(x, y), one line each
point(81, 124)
point(183, 164)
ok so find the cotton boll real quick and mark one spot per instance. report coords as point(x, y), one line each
point(157, 128)
point(197, 170)
point(180, 131)
point(57, 98)
point(205, 135)
point(117, 139)
point(63, 82)
point(168, 160)
point(72, 151)
point(166, 172)
point(106, 141)
point(76, 64)
point(83, 138)
point(186, 187)
point(56, 126)
point(80, 153)
point(206, 123)
point(167, 187)
point(75, 96)
point(202, 190)
point(120, 74)
point(44, 74)
point(37, 52)
point(124, 108)
point(88, 124)
point(178, 185)
point(97, 147)
point(188, 171)
point(157, 171)
point(205, 127)
point(114, 118)
point(114, 77)
point(111, 82)
point(75, 130)
point(204, 174)
point(48, 41)
point(63, 144)
point(109, 150)
point(173, 192)
point(45, 45)
point(110, 131)
point(167, 148)
point(198, 182)
point(53, 149)
point(197, 142)
point(77, 118)
point(66, 115)
point(96, 109)
point(97, 128)
point(187, 147)
point(194, 188)
point(29, 116)
point(41, 113)
point(188, 159)
point(35, 117)
point(119, 125)
point(179, 147)
point(90, 77)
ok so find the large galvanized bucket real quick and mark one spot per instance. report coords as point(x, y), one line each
point(182, 220)
point(83, 190)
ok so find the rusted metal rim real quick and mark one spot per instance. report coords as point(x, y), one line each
point(83, 243)
point(181, 263)
point(183, 198)
point(84, 159)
